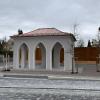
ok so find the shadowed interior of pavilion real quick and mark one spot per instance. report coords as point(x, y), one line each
point(23, 56)
point(40, 57)
point(57, 57)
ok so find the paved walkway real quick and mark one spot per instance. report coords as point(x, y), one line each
point(86, 72)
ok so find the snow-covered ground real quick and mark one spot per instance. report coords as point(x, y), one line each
point(45, 89)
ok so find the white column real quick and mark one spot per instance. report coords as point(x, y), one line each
point(67, 61)
point(48, 59)
point(56, 57)
point(16, 58)
point(23, 54)
point(43, 58)
point(31, 58)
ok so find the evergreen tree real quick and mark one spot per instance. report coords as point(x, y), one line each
point(89, 44)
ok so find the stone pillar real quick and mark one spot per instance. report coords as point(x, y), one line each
point(48, 59)
point(67, 61)
point(31, 58)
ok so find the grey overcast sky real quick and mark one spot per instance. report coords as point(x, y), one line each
point(62, 14)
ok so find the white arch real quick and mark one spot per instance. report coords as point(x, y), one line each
point(56, 55)
point(58, 42)
point(22, 44)
point(42, 64)
point(23, 55)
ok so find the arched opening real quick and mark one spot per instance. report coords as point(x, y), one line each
point(58, 56)
point(23, 56)
point(40, 57)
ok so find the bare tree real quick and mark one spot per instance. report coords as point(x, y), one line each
point(96, 41)
point(75, 31)
point(75, 28)
point(89, 44)
point(80, 43)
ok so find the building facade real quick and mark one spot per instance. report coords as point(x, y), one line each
point(49, 41)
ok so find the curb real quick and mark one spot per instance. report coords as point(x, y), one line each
point(84, 78)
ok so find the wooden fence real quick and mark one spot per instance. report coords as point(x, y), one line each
point(86, 53)
point(82, 53)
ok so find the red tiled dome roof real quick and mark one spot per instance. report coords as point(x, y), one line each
point(44, 32)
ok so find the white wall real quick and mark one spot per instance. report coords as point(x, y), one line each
point(48, 42)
